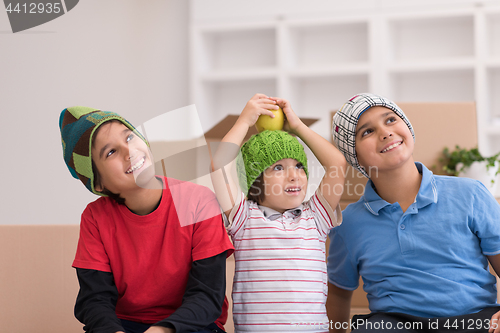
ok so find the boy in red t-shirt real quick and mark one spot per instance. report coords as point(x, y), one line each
point(152, 250)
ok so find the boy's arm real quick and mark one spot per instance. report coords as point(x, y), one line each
point(96, 301)
point(203, 299)
point(495, 319)
point(338, 307)
point(328, 155)
point(224, 176)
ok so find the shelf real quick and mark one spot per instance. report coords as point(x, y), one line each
point(432, 38)
point(325, 71)
point(230, 97)
point(435, 86)
point(238, 48)
point(410, 52)
point(494, 89)
point(493, 63)
point(493, 28)
point(494, 130)
point(443, 64)
point(317, 96)
point(239, 75)
point(327, 44)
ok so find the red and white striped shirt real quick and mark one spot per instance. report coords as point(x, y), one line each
point(280, 281)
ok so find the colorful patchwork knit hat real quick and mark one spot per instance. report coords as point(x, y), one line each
point(263, 150)
point(77, 125)
point(346, 119)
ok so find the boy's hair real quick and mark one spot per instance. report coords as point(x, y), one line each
point(263, 150)
point(346, 119)
point(78, 125)
point(256, 192)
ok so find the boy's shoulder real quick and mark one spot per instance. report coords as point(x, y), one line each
point(453, 183)
point(100, 206)
point(355, 209)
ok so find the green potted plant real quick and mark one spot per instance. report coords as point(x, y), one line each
point(470, 163)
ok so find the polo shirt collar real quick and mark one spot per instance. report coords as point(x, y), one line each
point(272, 214)
point(427, 193)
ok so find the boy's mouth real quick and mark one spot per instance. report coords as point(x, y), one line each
point(136, 166)
point(392, 146)
point(293, 190)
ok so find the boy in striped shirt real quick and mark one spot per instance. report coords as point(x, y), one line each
point(280, 282)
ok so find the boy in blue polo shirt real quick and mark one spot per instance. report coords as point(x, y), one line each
point(421, 242)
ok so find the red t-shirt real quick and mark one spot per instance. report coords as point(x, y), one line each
point(150, 256)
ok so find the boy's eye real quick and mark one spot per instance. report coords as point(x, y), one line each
point(299, 166)
point(278, 167)
point(111, 152)
point(130, 137)
point(366, 132)
point(391, 120)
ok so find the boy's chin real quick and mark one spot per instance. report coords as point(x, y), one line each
point(292, 204)
point(146, 177)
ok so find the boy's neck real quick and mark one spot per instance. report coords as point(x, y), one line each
point(401, 185)
point(144, 200)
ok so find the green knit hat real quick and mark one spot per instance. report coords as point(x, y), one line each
point(78, 125)
point(263, 150)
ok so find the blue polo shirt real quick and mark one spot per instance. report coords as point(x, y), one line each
point(429, 261)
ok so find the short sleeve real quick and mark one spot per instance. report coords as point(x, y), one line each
point(90, 252)
point(238, 215)
point(209, 235)
point(325, 217)
point(485, 221)
point(341, 270)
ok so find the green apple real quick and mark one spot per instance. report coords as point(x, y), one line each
point(273, 124)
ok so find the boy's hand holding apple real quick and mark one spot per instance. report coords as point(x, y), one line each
point(292, 121)
point(258, 105)
point(270, 113)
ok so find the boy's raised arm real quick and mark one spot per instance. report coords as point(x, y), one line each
point(329, 156)
point(224, 177)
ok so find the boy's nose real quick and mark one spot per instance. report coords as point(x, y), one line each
point(386, 135)
point(131, 155)
point(293, 173)
point(126, 152)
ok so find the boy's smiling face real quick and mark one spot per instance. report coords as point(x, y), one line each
point(122, 158)
point(285, 185)
point(383, 140)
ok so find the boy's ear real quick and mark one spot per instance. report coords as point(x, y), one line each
point(98, 187)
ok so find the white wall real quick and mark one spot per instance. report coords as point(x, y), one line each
point(127, 56)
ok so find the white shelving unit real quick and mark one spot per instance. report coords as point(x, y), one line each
point(409, 51)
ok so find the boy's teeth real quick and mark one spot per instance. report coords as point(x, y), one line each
point(292, 190)
point(391, 146)
point(136, 166)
